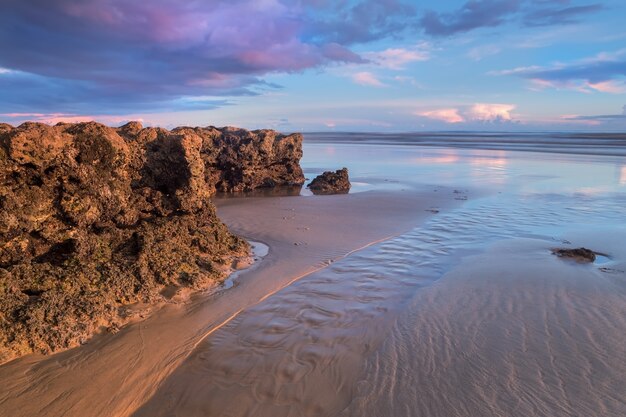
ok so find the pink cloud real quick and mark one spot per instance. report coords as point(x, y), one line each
point(54, 118)
point(367, 79)
point(450, 115)
point(601, 73)
point(22, 115)
point(580, 86)
point(188, 23)
point(479, 112)
point(292, 55)
point(398, 58)
point(611, 86)
point(491, 112)
point(260, 34)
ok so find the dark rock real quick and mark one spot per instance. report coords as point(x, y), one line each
point(579, 254)
point(331, 182)
point(93, 218)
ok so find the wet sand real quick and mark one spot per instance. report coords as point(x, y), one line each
point(467, 315)
point(512, 331)
point(113, 375)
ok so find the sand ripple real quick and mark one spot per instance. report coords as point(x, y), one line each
point(431, 324)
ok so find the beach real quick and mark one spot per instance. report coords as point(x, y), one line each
point(429, 290)
point(312, 208)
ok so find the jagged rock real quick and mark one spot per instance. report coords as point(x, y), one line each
point(331, 182)
point(93, 218)
point(579, 254)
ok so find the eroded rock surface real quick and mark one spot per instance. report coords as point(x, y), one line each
point(331, 182)
point(583, 255)
point(93, 218)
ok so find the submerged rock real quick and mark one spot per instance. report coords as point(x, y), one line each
point(331, 182)
point(93, 218)
point(579, 254)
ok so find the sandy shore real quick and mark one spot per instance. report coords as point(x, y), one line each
point(115, 374)
point(506, 329)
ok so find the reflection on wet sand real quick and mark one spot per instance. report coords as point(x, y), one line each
point(511, 332)
point(469, 315)
point(279, 191)
point(622, 175)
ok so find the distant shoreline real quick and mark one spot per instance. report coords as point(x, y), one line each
point(604, 144)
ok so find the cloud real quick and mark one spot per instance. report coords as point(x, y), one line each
point(54, 118)
point(478, 112)
point(444, 115)
point(477, 14)
point(96, 55)
point(516, 71)
point(605, 73)
point(605, 121)
point(599, 118)
point(472, 15)
point(491, 112)
point(398, 58)
point(29, 93)
point(368, 79)
point(610, 86)
point(363, 21)
point(559, 15)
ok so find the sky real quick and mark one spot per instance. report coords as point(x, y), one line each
point(317, 65)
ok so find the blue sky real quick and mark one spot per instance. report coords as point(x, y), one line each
point(317, 65)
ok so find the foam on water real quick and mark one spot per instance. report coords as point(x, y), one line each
point(259, 251)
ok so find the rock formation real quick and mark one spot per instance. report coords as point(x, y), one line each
point(331, 182)
point(93, 218)
point(583, 255)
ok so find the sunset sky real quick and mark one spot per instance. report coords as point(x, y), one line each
point(317, 65)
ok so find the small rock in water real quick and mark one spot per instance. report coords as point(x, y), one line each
point(331, 182)
point(578, 254)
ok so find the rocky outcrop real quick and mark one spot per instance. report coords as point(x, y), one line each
point(93, 218)
point(331, 182)
point(582, 255)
